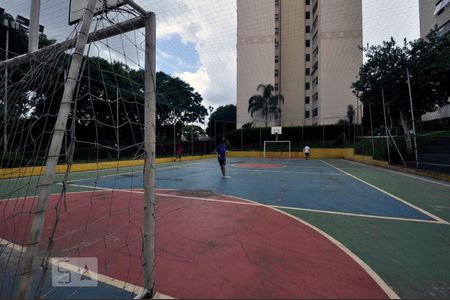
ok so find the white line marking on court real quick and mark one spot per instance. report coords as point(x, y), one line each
point(35, 196)
point(237, 169)
point(390, 195)
point(295, 208)
point(138, 290)
point(440, 207)
point(399, 173)
point(381, 283)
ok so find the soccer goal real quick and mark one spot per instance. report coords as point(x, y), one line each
point(280, 149)
point(77, 173)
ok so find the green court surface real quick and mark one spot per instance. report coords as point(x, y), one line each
point(397, 224)
point(412, 257)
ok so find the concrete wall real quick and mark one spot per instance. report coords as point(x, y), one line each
point(428, 20)
point(292, 70)
point(255, 51)
point(339, 57)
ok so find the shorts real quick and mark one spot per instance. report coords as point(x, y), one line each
point(222, 161)
point(307, 154)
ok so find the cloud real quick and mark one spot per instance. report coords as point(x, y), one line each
point(211, 27)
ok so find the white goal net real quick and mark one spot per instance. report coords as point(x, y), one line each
point(280, 149)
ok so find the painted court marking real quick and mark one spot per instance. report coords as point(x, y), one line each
point(266, 205)
point(274, 171)
point(138, 290)
point(381, 283)
point(258, 166)
point(390, 195)
point(377, 279)
point(399, 173)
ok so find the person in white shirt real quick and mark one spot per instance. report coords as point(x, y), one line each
point(306, 151)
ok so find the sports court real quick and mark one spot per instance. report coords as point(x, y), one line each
point(277, 228)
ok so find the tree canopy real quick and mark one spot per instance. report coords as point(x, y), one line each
point(223, 114)
point(428, 61)
point(266, 102)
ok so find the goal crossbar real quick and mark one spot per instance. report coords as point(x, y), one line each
point(120, 28)
point(277, 142)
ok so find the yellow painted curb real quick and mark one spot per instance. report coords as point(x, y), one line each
point(36, 171)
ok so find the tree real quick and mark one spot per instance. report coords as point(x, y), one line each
point(385, 70)
point(194, 131)
point(266, 102)
point(223, 115)
point(177, 103)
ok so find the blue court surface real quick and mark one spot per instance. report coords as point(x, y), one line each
point(295, 184)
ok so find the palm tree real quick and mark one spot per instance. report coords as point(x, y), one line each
point(266, 102)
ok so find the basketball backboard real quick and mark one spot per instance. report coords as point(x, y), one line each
point(76, 8)
point(276, 130)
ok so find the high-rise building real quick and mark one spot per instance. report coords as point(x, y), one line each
point(434, 14)
point(307, 49)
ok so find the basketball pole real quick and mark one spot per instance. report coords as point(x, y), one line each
point(33, 43)
point(47, 181)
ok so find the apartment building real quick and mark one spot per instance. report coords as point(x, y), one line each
point(307, 49)
point(434, 14)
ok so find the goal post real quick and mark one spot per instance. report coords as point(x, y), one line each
point(280, 147)
point(72, 103)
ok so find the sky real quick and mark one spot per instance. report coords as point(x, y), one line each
point(196, 39)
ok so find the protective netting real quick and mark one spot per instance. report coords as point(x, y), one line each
point(101, 216)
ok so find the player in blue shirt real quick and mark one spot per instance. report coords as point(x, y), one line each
point(221, 156)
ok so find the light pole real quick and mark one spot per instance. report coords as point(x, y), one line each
point(412, 117)
point(5, 93)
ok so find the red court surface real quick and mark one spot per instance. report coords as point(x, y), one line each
point(259, 166)
point(207, 246)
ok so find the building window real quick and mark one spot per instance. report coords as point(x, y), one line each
point(315, 67)
point(308, 29)
point(316, 51)
point(277, 31)
point(316, 81)
point(307, 2)
point(307, 15)
point(441, 6)
point(315, 7)
point(308, 43)
point(275, 87)
point(277, 44)
point(277, 17)
point(307, 71)
point(307, 85)
point(277, 59)
point(306, 114)
point(307, 100)
point(276, 72)
point(277, 3)
point(315, 112)
point(315, 36)
point(308, 57)
point(316, 20)
point(316, 97)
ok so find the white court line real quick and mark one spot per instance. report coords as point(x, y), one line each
point(381, 283)
point(35, 196)
point(237, 169)
point(390, 195)
point(138, 290)
point(399, 173)
point(295, 208)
